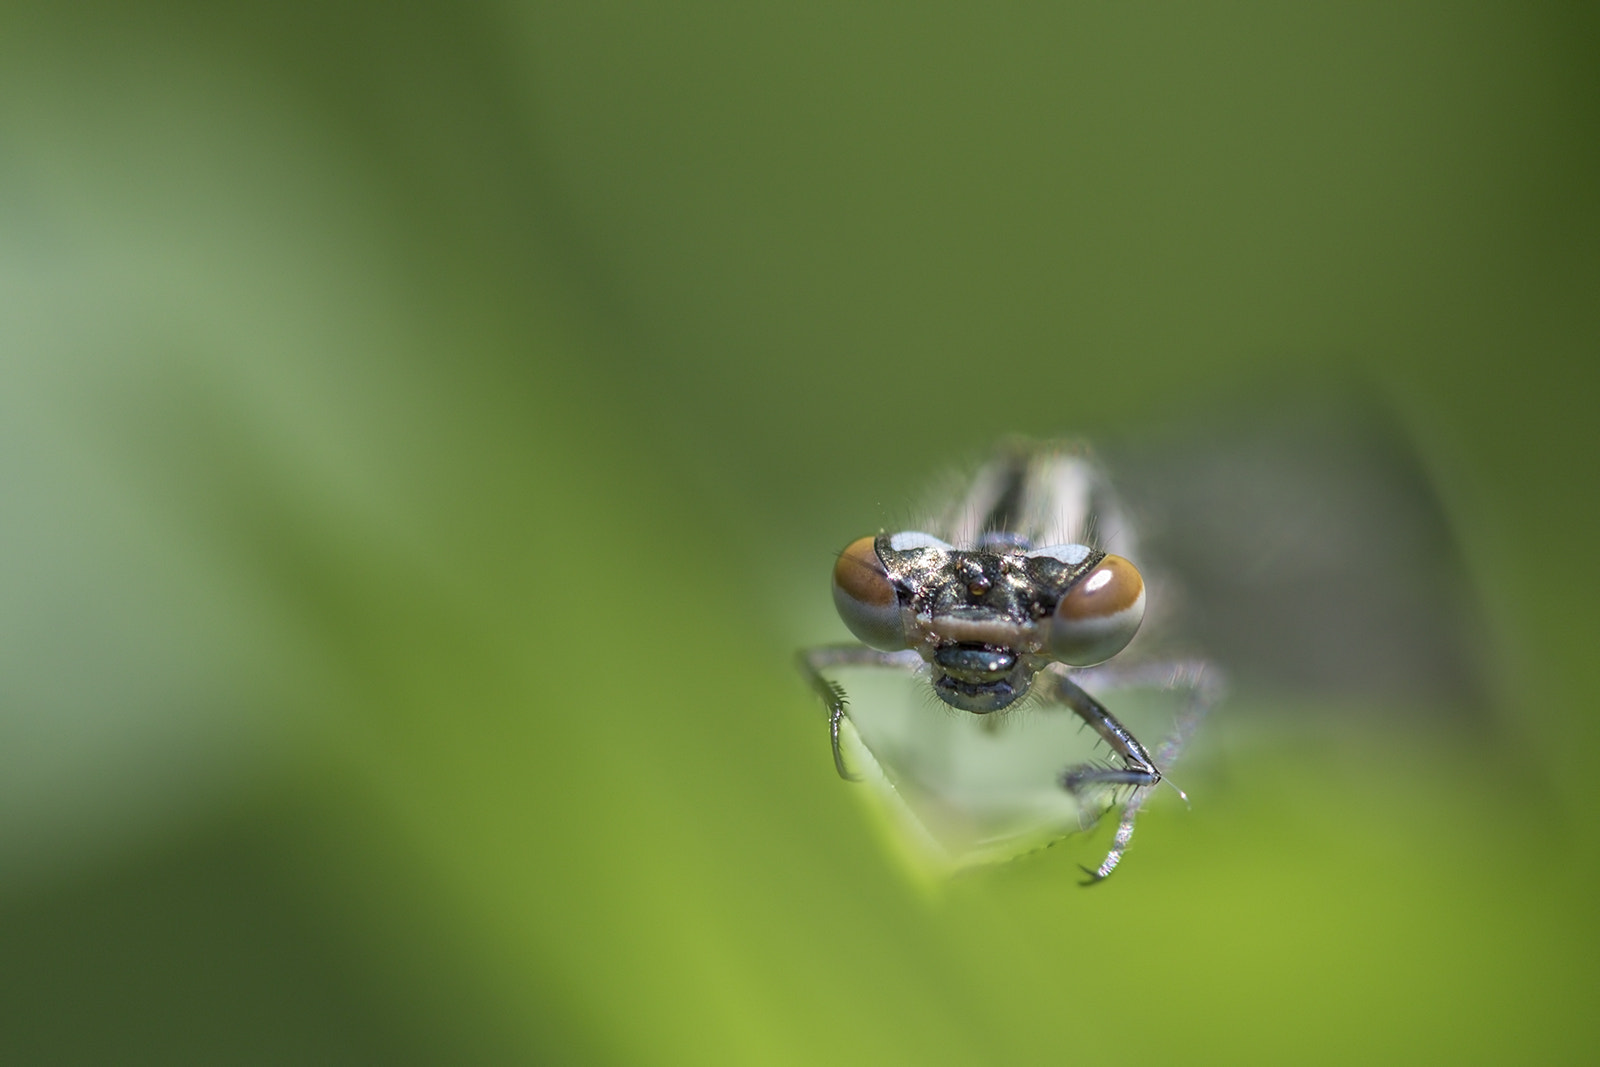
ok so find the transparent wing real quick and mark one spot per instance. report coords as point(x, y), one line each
point(1306, 551)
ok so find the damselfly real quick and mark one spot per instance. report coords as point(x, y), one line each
point(1010, 598)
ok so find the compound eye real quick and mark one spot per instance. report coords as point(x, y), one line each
point(1099, 615)
point(865, 597)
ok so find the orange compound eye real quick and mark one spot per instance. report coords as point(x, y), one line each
point(865, 597)
point(1099, 615)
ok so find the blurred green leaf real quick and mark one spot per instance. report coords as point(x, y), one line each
point(424, 429)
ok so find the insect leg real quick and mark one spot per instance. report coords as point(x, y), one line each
point(1202, 680)
point(1138, 770)
point(813, 661)
point(1205, 687)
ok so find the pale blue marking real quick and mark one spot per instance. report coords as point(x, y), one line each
point(1071, 555)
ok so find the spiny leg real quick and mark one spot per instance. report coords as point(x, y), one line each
point(1139, 770)
point(1204, 683)
point(1205, 686)
point(813, 661)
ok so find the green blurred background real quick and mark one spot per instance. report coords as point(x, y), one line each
point(425, 429)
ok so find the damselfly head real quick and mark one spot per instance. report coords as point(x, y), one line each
point(987, 619)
